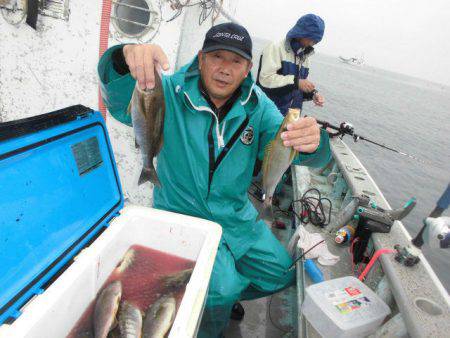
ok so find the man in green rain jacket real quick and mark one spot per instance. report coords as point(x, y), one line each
point(217, 123)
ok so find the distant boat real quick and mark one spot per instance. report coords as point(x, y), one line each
point(352, 60)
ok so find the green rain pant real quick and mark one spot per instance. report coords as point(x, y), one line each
point(262, 271)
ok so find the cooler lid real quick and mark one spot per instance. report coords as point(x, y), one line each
point(59, 189)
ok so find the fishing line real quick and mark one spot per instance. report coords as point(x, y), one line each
point(303, 254)
point(279, 284)
point(271, 319)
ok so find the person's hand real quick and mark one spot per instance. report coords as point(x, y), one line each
point(142, 59)
point(306, 86)
point(318, 100)
point(303, 135)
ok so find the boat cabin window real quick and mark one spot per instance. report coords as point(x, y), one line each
point(132, 18)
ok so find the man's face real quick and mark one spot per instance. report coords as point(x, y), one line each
point(222, 73)
point(306, 42)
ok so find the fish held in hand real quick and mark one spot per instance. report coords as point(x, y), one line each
point(147, 111)
point(277, 159)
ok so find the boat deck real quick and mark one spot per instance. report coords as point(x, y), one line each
point(274, 316)
point(400, 287)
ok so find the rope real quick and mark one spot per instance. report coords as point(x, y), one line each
point(103, 45)
point(208, 8)
point(372, 261)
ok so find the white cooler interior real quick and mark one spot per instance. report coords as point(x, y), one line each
point(55, 312)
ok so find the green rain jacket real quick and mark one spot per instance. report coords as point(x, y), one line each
point(206, 168)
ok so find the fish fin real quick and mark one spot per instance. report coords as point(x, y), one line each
point(129, 104)
point(129, 109)
point(136, 144)
point(266, 159)
point(149, 175)
point(266, 211)
point(161, 143)
point(114, 324)
point(127, 260)
point(178, 279)
point(292, 155)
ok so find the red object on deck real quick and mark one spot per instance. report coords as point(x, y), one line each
point(374, 258)
point(279, 224)
point(104, 35)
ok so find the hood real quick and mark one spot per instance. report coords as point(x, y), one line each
point(308, 26)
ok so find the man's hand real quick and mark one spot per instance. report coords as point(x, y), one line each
point(142, 59)
point(318, 100)
point(303, 135)
point(306, 86)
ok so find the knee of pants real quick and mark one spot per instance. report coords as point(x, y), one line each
point(225, 288)
point(226, 283)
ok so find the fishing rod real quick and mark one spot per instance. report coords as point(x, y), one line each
point(346, 128)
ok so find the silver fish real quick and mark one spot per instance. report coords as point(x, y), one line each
point(277, 159)
point(115, 333)
point(106, 307)
point(159, 317)
point(130, 321)
point(127, 260)
point(147, 114)
point(87, 333)
point(177, 280)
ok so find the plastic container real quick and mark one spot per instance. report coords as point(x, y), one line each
point(63, 228)
point(56, 311)
point(313, 271)
point(343, 307)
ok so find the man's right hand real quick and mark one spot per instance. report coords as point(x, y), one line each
point(306, 86)
point(142, 59)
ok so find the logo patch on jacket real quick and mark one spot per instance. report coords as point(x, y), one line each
point(247, 136)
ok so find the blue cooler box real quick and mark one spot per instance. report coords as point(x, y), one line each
point(59, 192)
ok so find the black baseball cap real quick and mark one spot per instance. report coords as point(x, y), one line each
point(229, 36)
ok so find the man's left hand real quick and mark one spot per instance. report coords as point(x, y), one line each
point(318, 100)
point(303, 135)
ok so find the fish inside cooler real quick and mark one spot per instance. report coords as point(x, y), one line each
point(66, 238)
point(140, 296)
point(158, 258)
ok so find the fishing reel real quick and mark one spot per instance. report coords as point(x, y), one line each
point(372, 218)
point(347, 128)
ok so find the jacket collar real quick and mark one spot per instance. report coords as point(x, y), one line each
point(186, 84)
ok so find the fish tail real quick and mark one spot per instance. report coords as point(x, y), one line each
point(266, 211)
point(149, 175)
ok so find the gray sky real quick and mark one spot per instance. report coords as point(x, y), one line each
point(405, 36)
